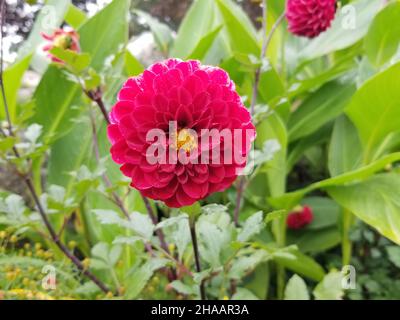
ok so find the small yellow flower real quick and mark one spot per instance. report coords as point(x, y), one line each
point(25, 282)
point(171, 247)
point(86, 263)
point(3, 234)
point(72, 244)
point(225, 298)
point(13, 239)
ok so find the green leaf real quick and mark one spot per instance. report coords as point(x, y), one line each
point(345, 148)
point(325, 211)
point(161, 32)
point(289, 200)
point(330, 288)
point(376, 201)
point(132, 66)
point(315, 241)
point(293, 259)
point(244, 294)
point(383, 37)
point(240, 31)
point(296, 289)
point(183, 288)
point(77, 61)
point(319, 108)
point(394, 255)
point(12, 77)
point(171, 221)
point(350, 25)
point(197, 23)
point(277, 214)
point(138, 278)
point(75, 17)
point(375, 111)
point(252, 226)
point(202, 47)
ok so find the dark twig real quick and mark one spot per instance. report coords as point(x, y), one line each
point(30, 186)
point(97, 98)
point(192, 226)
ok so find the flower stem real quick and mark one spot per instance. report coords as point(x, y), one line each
point(192, 226)
point(97, 98)
point(346, 242)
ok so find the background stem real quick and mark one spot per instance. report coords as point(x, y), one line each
point(192, 226)
point(346, 242)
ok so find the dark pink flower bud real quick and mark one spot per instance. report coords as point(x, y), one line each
point(308, 18)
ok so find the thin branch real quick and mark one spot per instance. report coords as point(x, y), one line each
point(3, 91)
point(192, 226)
point(263, 52)
point(29, 183)
point(99, 101)
point(266, 40)
point(239, 197)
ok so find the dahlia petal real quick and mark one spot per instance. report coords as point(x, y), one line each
point(113, 133)
point(183, 198)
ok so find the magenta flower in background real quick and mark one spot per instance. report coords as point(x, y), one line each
point(308, 18)
point(196, 98)
point(300, 218)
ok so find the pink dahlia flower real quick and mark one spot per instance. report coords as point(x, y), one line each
point(180, 102)
point(66, 39)
point(308, 18)
point(300, 218)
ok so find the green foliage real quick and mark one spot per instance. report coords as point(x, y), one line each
point(327, 118)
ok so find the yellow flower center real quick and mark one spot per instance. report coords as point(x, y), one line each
point(63, 42)
point(186, 140)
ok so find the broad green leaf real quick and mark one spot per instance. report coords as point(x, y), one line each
point(350, 25)
point(202, 47)
point(291, 258)
point(375, 111)
point(12, 77)
point(316, 241)
point(325, 212)
point(75, 17)
point(296, 289)
point(330, 288)
point(394, 255)
point(319, 108)
point(345, 148)
point(161, 32)
point(375, 201)
point(289, 200)
point(301, 146)
point(197, 23)
point(383, 37)
point(132, 66)
point(240, 31)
